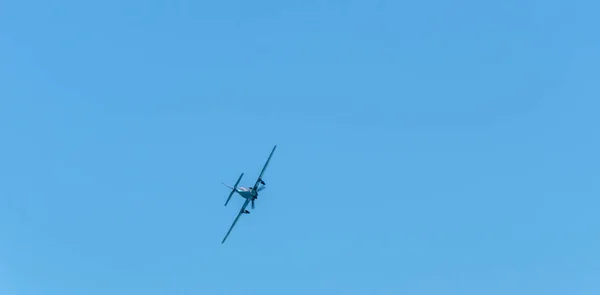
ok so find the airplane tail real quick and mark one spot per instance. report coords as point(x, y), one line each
point(233, 189)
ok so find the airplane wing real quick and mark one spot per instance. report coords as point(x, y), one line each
point(255, 187)
point(236, 219)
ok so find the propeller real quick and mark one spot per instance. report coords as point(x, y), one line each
point(260, 188)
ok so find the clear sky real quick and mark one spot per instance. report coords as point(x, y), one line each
point(424, 147)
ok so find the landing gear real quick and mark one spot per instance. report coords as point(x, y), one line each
point(262, 182)
point(246, 212)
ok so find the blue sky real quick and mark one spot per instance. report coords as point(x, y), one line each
point(430, 147)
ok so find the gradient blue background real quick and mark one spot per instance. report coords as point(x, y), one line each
point(426, 147)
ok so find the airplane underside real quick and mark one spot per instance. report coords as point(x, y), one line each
point(245, 195)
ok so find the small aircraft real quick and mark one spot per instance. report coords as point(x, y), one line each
point(248, 193)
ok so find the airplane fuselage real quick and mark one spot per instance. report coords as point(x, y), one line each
point(245, 192)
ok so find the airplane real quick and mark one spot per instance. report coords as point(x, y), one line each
point(248, 193)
